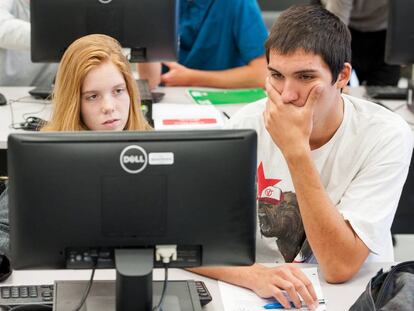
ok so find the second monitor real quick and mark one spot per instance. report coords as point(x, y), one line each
point(147, 27)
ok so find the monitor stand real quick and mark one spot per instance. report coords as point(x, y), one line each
point(180, 296)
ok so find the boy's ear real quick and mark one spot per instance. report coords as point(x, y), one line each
point(344, 76)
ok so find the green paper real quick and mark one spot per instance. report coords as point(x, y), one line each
point(224, 97)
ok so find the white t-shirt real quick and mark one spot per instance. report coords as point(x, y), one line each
point(16, 68)
point(363, 169)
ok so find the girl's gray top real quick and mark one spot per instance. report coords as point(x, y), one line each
point(4, 223)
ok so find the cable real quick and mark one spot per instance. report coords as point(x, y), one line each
point(28, 123)
point(164, 290)
point(30, 307)
point(398, 107)
point(88, 289)
point(166, 253)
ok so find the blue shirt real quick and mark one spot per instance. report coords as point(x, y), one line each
point(220, 34)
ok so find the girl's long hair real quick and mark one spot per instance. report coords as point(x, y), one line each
point(79, 59)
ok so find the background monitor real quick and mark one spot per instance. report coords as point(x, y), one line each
point(400, 50)
point(400, 33)
point(148, 27)
point(78, 200)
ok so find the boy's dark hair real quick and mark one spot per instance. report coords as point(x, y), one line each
point(313, 29)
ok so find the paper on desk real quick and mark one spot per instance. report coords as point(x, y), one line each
point(237, 298)
point(168, 116)
point(226, 97)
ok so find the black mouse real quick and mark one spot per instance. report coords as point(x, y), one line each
point(3, 100)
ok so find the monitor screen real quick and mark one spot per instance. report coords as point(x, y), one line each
point(399, 48)
point(147, 27)
point(96, 199)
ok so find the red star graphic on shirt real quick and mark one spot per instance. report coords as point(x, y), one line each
point(262, 182)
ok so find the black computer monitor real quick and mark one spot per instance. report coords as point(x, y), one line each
point(400, 33)
point(147, 27)
point(78, 200)
point(399, 47)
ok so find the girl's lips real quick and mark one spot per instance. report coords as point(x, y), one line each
point(111, 123)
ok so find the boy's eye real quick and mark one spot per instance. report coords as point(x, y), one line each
point(277, 75)
point(306, 77)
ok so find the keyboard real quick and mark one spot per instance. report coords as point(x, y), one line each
point(386, 92)
point(43, 295)
point(26, 295)
point(203, 293)
point(145, 93)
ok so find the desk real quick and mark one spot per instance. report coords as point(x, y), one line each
point(397, 106)
point(338, 296)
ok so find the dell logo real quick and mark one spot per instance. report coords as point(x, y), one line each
point(105, 1)
point(133, 159)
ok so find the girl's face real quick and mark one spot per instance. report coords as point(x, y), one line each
point(104, 99)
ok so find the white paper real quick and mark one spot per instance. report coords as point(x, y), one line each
point(237, 298)
point(168, 116)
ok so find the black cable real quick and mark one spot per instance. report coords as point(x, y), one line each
point(398, 107)
point(27, 122)
point(4, 307)
point(226, 115)
point(86, 293)
point(164, 290)
point(31, 308)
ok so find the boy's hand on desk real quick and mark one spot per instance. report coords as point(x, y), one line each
point(270, 282)
point(178, 75)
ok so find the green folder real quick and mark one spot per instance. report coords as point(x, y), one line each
point(224, 97)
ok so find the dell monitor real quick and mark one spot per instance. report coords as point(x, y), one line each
point(148, 28)
point(399, 47)
point(109, 199)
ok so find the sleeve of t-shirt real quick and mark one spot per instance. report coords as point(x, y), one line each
point(341, 8)
point(14, 32)
point(249, 30)
point(371, 199)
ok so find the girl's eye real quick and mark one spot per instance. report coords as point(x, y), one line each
point(119, 91)
point(91, 97)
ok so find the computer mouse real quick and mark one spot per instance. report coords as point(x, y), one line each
point(3, 100)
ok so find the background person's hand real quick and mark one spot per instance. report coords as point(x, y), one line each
point(178, 75)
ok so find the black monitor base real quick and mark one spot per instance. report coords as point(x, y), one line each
point(181, 296)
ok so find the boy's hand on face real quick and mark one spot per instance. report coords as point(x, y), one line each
point(289, 125)
point(178, 75)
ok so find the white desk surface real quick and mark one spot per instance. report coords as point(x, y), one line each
point(339, 297)
point(28, 106)
point(397, 106)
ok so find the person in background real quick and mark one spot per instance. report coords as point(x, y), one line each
point(16, 68)
point(331, 167)
point(367, 20)
point(221, 45)
point(95, 90)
